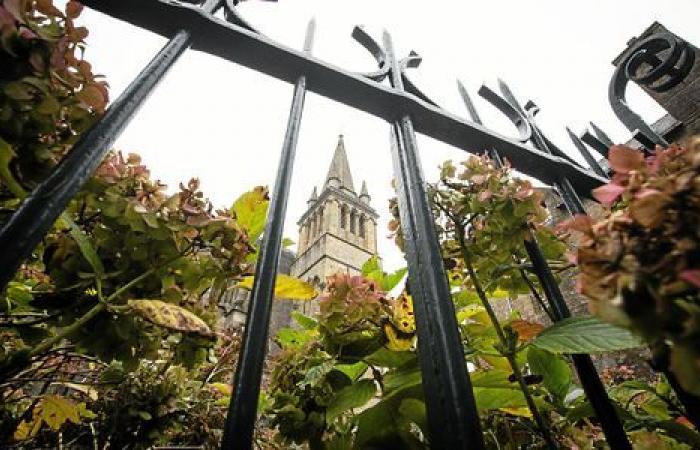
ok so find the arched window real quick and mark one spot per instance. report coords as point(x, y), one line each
point(362, 225)
point(353, 221)
point(343, 216)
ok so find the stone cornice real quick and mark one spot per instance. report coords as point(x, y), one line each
point(353, 200)
point(328, 233)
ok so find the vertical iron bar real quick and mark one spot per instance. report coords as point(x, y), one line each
point(27, 226)
point(592, 385)
point(583, 150)
point(588, 374)
point(453, 419)
point(240, 421)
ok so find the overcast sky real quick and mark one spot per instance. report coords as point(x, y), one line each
point(225, 124)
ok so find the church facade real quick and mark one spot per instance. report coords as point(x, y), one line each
point(338, 230)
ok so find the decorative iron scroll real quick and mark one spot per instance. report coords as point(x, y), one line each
point(659, 63)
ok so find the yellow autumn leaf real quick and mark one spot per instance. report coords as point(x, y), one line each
point(26, 430)
point(396, 342)
point(170, 316)
point(223, 388)
point(403, 317)
point(286, 287)
point(56, 410)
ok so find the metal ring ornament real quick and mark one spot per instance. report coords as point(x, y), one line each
point(675, 64)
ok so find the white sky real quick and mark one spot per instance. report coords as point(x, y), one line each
point(225, 123)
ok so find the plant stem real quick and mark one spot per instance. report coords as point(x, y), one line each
point(536, 295)
point(509, 355)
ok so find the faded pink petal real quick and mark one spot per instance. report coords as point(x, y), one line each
point(624, 159)
point(608, 193)
point(691, 276)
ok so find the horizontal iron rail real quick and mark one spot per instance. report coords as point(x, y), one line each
point(256, 51)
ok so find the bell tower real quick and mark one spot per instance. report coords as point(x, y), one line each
point(338, 231)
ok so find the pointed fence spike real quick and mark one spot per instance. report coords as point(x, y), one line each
point(310, 33)
point(581, 147)
point(473, 113)
point(601, 135)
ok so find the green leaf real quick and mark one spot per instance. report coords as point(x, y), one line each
point(251, 211)
point(292, 338)
point(371, 266)
point(492, 378)
point(286, 287)
point(387, 358)
point(496, 398)
point(84, 244)
point(372, 269)
point(286, 242)
point(353, 371)
point(414, 410)
point(555, 372)
point(350, 397)
point(585, 334)
point(170, 316)
point(403, 377)
point(304, 321)
point(391, 280)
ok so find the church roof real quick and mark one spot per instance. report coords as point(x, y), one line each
point(340, 169)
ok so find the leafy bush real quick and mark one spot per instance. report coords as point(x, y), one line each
point(640, 262)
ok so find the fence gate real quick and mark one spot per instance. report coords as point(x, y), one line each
point(452, 415)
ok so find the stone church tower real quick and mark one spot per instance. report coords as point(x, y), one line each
point(338, 231)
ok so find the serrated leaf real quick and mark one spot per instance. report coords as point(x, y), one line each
point(304, 321)
point(286, 287)
point(251, 211)
point(55, 410)
point(170, 316)
point(353, 396)
point(585, 334)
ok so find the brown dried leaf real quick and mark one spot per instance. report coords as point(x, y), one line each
point(170, 316)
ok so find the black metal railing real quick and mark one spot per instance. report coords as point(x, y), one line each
point(453, 419)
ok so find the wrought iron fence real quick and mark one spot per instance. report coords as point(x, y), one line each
point(452, 415)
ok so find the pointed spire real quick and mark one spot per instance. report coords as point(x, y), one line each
point(313, 198)
point(364, 195)
point(339, 171)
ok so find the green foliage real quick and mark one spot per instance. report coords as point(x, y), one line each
point(372, 269)
point(585, 334)
point(519, 377)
